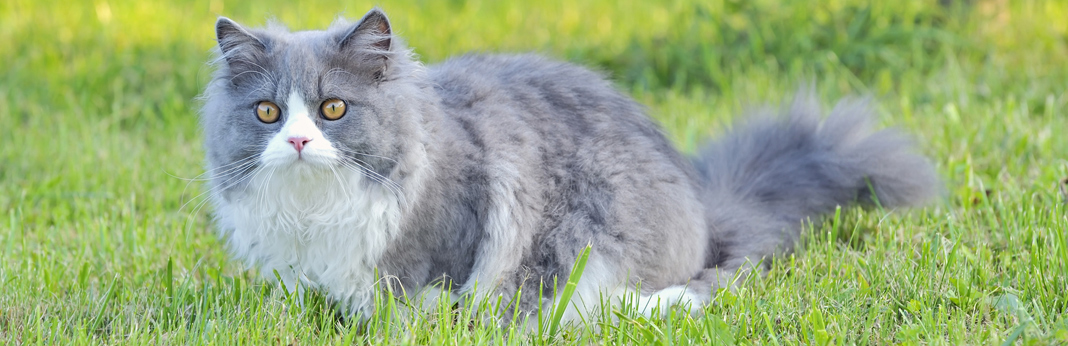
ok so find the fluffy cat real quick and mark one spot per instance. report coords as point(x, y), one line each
point(341, 163)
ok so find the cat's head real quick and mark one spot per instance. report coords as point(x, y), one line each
point(310, 101)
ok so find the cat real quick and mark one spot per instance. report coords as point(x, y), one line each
point(340, 163)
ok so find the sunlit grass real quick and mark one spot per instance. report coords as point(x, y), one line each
point(103, 239)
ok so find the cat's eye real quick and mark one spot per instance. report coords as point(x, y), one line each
point(333, 109)
point(267, 112)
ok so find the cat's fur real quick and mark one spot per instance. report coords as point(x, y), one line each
point(488, 174)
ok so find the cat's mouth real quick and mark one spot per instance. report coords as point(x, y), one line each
point(311, 159)
point(306, 159)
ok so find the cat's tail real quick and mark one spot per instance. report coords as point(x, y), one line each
point(762, 180)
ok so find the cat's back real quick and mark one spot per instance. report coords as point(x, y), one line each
point(531, 92)
point(470, 78)
point(530, 82)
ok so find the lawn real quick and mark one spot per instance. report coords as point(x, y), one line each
point(105, 239)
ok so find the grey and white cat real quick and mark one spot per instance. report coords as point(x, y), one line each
point(338, 160)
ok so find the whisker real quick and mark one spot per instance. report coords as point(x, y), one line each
point(228, 166)
point(189, 219)
point(389, 184)
point(221, 172)
point(263, 72)
point(349, 151)
point(361, 170)
point(231, 182)
point(369, 170)
point(263, 188)
point(226, 184)
point(263, 85)
point(258, 73)
point(338, 70)
point(340, 183)
point(373, 175)
point(226, 175)
point(389, 187)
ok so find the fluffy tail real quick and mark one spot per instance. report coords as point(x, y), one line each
point(775, 171)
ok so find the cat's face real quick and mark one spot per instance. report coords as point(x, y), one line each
point(305, 101)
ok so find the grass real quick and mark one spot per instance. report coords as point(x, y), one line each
point(102, 241)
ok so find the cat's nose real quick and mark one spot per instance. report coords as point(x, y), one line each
point(299, 142)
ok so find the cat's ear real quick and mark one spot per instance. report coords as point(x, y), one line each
point(241, 49)
point(371, 33)
point(370, 39)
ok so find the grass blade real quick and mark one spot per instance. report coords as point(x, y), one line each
point(569, 289)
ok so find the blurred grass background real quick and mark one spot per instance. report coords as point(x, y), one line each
point(102, 239)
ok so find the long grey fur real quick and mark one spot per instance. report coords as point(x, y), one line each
point(762, 180)
point(504, 167)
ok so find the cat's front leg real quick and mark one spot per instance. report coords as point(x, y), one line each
point(288, 281)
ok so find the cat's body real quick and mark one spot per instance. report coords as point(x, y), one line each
point(489, 174)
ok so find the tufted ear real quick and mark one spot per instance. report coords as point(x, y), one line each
point(242, 49)
point(372, 33)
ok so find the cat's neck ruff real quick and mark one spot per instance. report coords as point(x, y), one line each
point(326, 228)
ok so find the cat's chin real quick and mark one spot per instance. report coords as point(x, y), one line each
point(306, 168)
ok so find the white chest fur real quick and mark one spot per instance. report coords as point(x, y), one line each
point(326, 230)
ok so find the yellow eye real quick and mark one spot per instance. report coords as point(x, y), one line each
point(267, 112)
point(333, 109)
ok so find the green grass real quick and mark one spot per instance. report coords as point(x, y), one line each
point(102, 240)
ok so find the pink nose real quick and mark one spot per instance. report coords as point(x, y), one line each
point(299, 142)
